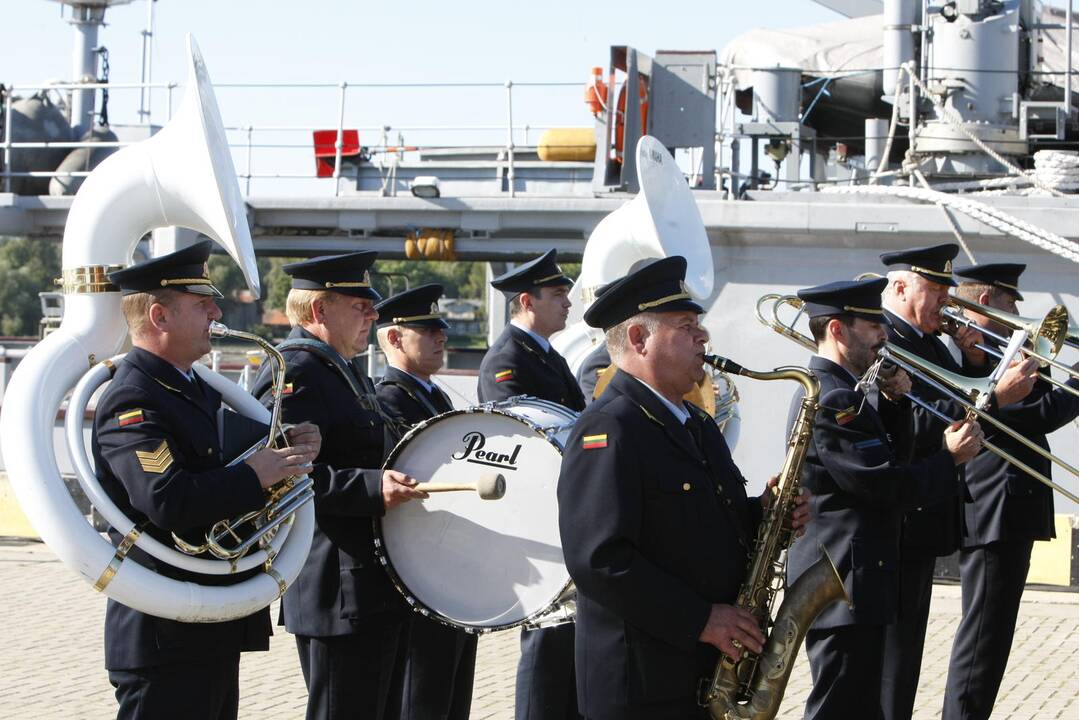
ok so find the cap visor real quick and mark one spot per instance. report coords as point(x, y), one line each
point(203, 290)
point(949, 282)
point(360, 292)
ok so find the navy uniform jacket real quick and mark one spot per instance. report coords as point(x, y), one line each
point(653, 533)
point(342, 581)
point(405, 399)
point(179, 484)
point(594, 363)
point(1005, 503)
point(932, 529)
point(517, 365)
point(860, 491)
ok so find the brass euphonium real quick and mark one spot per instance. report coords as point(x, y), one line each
point(225, 540)
point(752, 686)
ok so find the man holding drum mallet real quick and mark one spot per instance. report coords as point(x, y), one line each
point(344, 611)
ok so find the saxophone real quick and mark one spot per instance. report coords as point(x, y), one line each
point(752, 686)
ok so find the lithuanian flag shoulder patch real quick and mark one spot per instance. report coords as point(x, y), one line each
point(594, 442)
point(287, 390)
point(503, 375)
point(130, 418)
point(845, 416)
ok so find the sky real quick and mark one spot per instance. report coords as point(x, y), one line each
point(329, 41)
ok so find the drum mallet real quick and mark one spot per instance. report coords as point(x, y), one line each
point(490, 486)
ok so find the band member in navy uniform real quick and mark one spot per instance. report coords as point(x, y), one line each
point(588, 374)
point(1005, 512)
point(158, 456)
point(860, 489)
point(522, 362)
point(439, 663)
point(412, 335)
point(655, 523)
point(344, 611)
point(918, 286)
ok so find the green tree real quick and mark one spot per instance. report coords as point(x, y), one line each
point(227, 276)
point(276, 283)
point(27, 267)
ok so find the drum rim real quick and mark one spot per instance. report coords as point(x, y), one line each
point(382, 553)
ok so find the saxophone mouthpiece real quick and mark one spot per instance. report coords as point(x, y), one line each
point(726, 365)
point(219, 330)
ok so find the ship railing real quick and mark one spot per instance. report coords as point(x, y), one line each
point(510, 130)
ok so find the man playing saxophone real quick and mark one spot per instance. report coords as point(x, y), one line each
point(656, 526)
point(861, 487)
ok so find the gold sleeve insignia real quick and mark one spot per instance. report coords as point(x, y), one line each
point(157, 461)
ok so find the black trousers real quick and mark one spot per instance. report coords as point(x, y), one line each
point(846, 663)
point(436, 671)
point(204, 689)
point(350, 676)
point(904, 641)
point(546, 680)
point(993, 577)
point(666, 711)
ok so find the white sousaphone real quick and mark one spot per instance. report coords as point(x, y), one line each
point(660, 221)
point(182, 176)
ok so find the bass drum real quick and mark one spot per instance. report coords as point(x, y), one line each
point(481, 565)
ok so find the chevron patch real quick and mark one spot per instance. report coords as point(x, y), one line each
point(157, 461)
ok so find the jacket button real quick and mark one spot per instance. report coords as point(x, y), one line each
point(880, 563)
point(687, 486)
point(728, 501)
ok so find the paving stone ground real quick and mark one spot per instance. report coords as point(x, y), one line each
point(51, 655)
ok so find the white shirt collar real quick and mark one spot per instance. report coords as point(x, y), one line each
point(189, 375)
point(543, 342)
point(905, 321)
point(679, 411)
point(428, 386)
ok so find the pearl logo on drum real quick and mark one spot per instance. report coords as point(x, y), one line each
point(473, 452)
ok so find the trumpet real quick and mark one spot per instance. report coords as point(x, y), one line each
point(225, 539)
point(963, 390)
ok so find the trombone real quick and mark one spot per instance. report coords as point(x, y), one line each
point(963, 390)
point(224, 540)
point(1046, 335)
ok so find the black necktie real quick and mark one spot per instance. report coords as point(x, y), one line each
point(695, 432)
point(200, 392)
point(439, 400)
